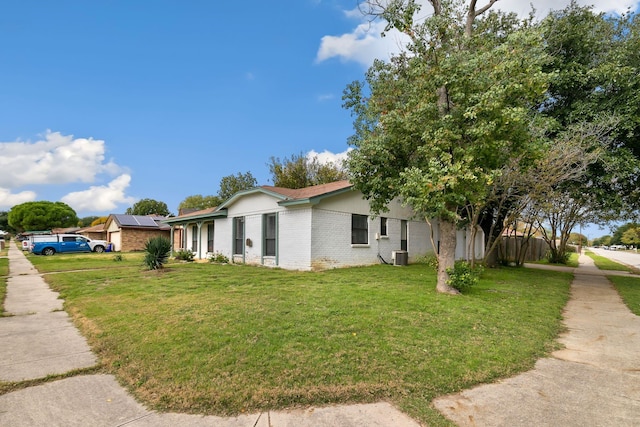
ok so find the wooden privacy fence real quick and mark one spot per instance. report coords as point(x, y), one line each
point(517, 248)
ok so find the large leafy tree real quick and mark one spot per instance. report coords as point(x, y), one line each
point(596, 61)
point(198, 201)
point(148, 207)
point(231, 184)
point(87, 221)
point(299, 171)
point(41, 215)
point(4, 222)
point(436, 125)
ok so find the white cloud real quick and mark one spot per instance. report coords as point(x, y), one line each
point(329, 157)
point(326, 97)
point(101, 198)
point(364, 43)
point(56, 159)
point(8, 199)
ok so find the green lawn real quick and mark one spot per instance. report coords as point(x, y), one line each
point(629, 290)
point(225, 339)
point(571, 262)
point(85, 261)
point(604, 263)
point(4, 273)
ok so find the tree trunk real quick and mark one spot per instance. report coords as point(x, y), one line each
point(446, 256)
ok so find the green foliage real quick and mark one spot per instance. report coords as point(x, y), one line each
point(301, 171)
point(430, 260)
point(118, 258)
point(87, 221)
point(596, 76)
point(631, 236)
point(309, 338)
point(629, 290)
point(199, 202)
point(184, 255)
point(604, 263)
point(99, 220)
point(41, 215)
point(4, 222)
point(149, 207)
point(558, 257)
point(619, 232)
point(602, 241)
point(231, 184)
point(437, 126)
point(157, 250)
point(218, 258)
point(463, 276)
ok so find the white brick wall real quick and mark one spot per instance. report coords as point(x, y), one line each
point(332, 246)
point(294, 236)
point(319, 236)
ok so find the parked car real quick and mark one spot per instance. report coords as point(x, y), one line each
point(61, 243)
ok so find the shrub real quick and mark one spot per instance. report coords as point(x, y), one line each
point(184, 255)
point(218, 258)
point(430, 259)
point(462, 276)
point(557, 257)
point(157, 252)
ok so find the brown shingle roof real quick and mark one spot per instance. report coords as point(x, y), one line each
point(308, 192)
point(93, 229)
point(197, 213)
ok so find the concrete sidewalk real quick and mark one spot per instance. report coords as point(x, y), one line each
point(593, 381)
point(40, 340)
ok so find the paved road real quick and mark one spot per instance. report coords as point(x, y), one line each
point(625, 257)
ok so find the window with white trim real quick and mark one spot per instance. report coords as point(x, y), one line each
point(270, 226)
point(194, 238)
point(383, 226)
point(359, 229)
point(238, 235)
point(210, 230)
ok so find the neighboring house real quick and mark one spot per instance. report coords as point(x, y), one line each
point(96, 232)
point(66, 230)
point(131, 232)
point(323, 226)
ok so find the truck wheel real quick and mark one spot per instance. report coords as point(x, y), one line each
point(98, 249)
point(48, 251)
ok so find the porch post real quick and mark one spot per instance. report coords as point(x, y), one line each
point(199, 239)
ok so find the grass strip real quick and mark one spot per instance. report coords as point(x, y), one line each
point(604, 263)
point(4, 273)
point(226, 339)
point(629, 290)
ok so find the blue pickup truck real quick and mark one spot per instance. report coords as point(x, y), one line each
point(62, 243)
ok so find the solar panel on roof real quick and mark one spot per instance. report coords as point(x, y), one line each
point(126, 220)
point(135, 220)
point(146, 221)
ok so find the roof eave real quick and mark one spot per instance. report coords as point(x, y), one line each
point(186, 220)
point(315, 199)
point(251, 191)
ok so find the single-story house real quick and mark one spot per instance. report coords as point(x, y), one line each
point(95, 232)
point(318, 227)
point(131, 232)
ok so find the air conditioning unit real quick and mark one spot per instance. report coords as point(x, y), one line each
point(400, 257)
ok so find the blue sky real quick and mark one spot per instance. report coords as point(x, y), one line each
point(103, 103)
